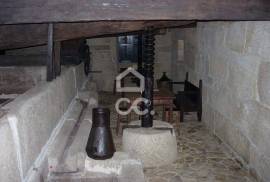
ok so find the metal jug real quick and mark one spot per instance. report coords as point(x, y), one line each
point(100, 144)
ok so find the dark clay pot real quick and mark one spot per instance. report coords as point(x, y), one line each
point(164, 82)
point(100, 144)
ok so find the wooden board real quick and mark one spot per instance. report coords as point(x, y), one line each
point(44, 11)
point(25, 35)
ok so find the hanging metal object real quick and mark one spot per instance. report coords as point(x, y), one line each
point(100, 144)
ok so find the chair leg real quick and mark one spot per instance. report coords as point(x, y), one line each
point(199, 115)
point(170, 114)
point(120, 124)
point(177, 117)
point(128, 118)
point(181, 116)
point(114, 87)
point(120, 129)
point(166, 116)
point(117, 124)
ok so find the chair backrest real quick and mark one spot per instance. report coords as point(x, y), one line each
point(190, 87)
point(186, 76)
point(191, 94)
point(193, 91)
point(197, 91)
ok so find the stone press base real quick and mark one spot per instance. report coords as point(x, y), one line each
point(121, 168)
point(155, 146)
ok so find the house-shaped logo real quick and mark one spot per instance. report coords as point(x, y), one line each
point(122, 75)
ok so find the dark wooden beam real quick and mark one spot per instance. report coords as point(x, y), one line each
point(44, 11)
point(50, 58)
point(57, 58)
point(18, 36)
point(66, 31)
point(20, 60)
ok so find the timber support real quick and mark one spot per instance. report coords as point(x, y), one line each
point(148, 71)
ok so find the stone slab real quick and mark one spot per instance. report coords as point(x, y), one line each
point(37, 113)
point(82, 177)
point(75, 142)
point(34, 116)
point(122, 165)
point(57, 148)
point(9, 166)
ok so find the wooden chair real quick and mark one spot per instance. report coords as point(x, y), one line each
point(189, 100)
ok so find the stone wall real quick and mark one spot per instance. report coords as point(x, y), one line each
point(184, 46)
point(163, 55)
point(17, 80)
point(30, 124)
point(232, 59)
point(104, 58)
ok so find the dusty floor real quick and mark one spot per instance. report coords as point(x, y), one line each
point(201, 158)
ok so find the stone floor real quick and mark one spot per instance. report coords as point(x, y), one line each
point(202, 157)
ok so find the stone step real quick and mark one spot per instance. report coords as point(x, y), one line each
point(80, 177)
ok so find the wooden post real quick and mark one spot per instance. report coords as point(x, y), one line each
point(57, 58)
point(50, 64)
point(149, 57)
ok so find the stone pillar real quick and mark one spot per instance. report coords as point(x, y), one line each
point(148, 69)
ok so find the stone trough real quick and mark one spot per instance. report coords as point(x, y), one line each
point(68, 160)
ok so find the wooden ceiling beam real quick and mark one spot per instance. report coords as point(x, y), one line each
point(52, 11)
point(26, 35)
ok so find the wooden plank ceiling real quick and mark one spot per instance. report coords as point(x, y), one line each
point(25, 35)
point(24, 23)
point(44, 11)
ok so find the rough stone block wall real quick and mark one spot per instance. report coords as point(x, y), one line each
point(17, 80)
point(104, 58)
point(30, 121)
point(163, 55)
point(9, 169)
point(232, 59)
point(184, 44)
